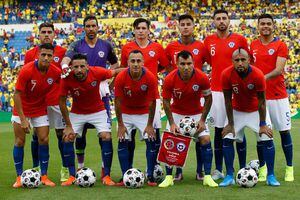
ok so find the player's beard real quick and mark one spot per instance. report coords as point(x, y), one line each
point(91, 36)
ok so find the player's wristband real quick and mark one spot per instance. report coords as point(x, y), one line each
point(262, 123)
point(64, 66)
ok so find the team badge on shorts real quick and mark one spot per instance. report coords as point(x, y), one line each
point(169, 144)
point(271, 51)
point(94, 83)
point(101, 54)
point(195, 88)
point(180, 147)
point(56, 59)
point(195, 51)
point(151, 53)
point(250, 86)
point(231, 44)
point(144, 87)
point(50, 81)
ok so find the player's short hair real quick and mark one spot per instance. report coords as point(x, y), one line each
point(46, 46)
point(90, 17)
point(141, 20)
point(240, 50)
point(265, 15)
point(46, 24)
point(79, 56)
point(184, 54)
point(136, 51)
point(218, 11)
point(185, 16)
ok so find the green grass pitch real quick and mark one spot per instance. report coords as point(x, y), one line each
point(189, 188)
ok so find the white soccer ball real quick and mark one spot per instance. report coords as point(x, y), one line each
point(158, 174)
point(133, 178)
point(254, 164)
point(85, 177)
point(31, 178)
point(187, 126)
point(246, 177)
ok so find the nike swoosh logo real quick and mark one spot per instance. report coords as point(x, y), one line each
point(270, 148)
point(17, 163)
point(121, 149)
point(152, 151)
point(44, 162)
point(107, 153)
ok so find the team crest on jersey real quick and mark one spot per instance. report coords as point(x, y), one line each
point(195, 88)
point(94, 83)
point(271, 51)
point(180, 147)
point(231, 44)
point(50, 81)
point(250, 86)
point(144, 87)
point(101, 54)
point(151, 53)
point(195, 51)
point(56, 59)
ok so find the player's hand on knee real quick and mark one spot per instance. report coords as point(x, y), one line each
point(150, 131)
point(25, 125)
point(122, 130)
point(69, 134)
point(266, 130)
point(200, 127)
point(66, 70)
point(227, 130)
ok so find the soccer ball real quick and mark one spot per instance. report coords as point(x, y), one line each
point(246, 177)
point(254, 164)
point(187, 126)
point(133, 178)
point(158, 174)
point(31, 178)
point(85, 177)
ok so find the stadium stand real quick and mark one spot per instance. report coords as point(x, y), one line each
point(13, 44)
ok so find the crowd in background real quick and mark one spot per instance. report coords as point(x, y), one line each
point(16, 11)
point(120, 34)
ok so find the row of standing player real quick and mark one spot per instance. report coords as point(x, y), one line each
point(223, 41)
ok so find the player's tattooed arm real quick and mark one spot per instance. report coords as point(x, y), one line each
point(149, 128)
point(263, 128)
point(69, 134)
point(206, 108)
point(280, 63)
point(25, 125)
point(167, 107)
point(229, 128)
point(121, 127)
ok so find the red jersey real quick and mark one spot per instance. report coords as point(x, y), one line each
point(34, 87)
point(197, 49)
point(265, 57)
point(85, 94)
point(186, 95)
point(220, 53)
point(59, 53)
point(136, 95)
point(244, 90)
point(154, 55)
